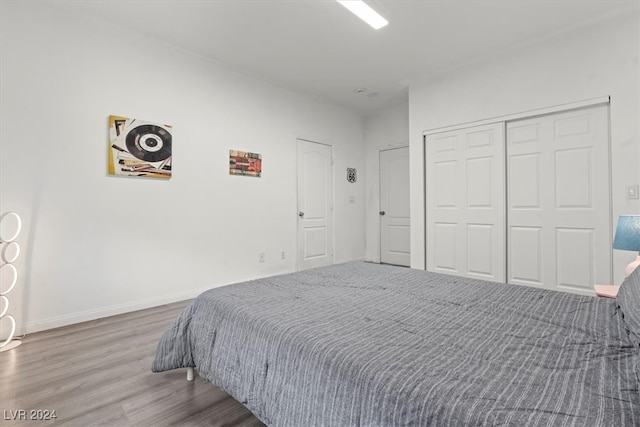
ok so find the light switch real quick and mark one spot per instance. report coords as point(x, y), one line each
point(632, 192)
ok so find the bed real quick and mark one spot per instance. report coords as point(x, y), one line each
point(363, 344)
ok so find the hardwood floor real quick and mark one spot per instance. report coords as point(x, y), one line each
point(99, 373)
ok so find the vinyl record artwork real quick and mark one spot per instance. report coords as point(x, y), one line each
point(139, 148)
point(247, 164)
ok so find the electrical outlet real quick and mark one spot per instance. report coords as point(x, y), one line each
point(282, 256)
point(261, 257)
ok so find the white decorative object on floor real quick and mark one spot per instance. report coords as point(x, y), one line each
point(10, 227)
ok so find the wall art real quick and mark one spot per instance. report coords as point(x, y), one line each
point(352, 175)
point(243, 163)
point(139, 148)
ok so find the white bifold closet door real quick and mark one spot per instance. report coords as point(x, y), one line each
point(559, 200)
point(525, 202)
point(465, 209)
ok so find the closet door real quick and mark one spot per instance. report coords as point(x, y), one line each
point(465, 202)
point(558, 200)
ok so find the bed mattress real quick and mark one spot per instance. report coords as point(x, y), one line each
point(362, 344)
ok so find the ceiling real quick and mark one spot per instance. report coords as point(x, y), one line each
point(319, 48)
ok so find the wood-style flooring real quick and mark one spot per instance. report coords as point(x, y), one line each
point(98, 373)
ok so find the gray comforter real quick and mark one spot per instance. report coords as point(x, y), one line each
point(362, 344)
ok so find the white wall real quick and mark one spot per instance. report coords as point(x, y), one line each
point(591, 62)
point(386, 129)
point(95, 245)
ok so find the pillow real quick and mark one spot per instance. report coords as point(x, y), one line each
point(628, 301)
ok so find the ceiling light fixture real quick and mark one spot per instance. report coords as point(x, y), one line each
point(365, 12)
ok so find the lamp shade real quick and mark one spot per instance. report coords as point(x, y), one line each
point(628, 233)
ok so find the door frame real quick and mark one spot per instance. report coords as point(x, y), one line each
point(298, 258)
point(592, 102)
point(523, 115)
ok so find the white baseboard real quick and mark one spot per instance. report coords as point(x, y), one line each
point(113, 310)
point(85, 316)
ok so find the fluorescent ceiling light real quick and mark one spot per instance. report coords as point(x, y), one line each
point(364, 12)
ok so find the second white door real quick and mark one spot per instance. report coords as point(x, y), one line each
point(394, 207)
point(315, 205)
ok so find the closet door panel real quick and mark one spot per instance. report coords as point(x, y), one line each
point(479, 249)
point(524, 189)
point(466, 202)
point(525, 255)
point(575, 247)
point(558, 183)
point(444, 252)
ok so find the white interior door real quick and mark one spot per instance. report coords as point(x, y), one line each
point(315, 205)
point(394, 206)
point(465, 202)
point(558, 200)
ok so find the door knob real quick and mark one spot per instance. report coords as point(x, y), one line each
point(301, 214)
point(382, 212)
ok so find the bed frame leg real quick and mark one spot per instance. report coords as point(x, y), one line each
point(190, 374)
